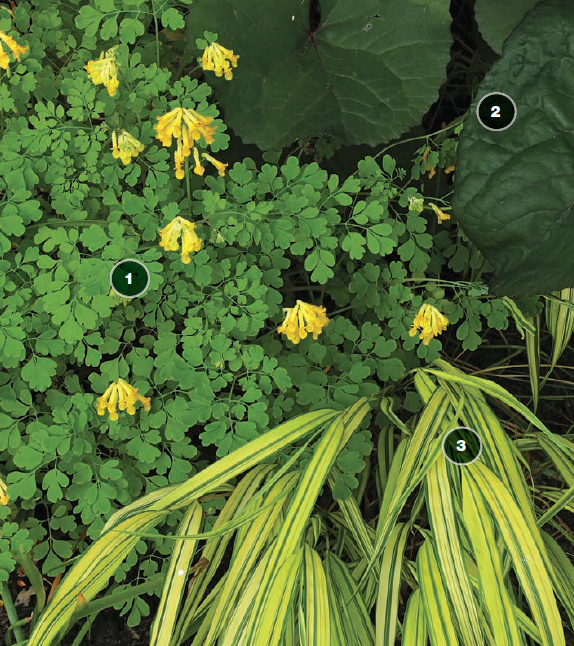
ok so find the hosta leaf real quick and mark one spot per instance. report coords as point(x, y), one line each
point(513, 189)
point(366, 72)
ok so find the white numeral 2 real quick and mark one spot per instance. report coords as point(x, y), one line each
point(495, 111)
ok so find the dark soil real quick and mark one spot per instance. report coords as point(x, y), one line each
point(108, 629)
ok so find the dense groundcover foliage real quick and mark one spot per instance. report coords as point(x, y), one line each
point(278, 286)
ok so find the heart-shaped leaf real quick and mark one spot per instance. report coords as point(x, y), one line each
point(362, 71)
point(514, 188)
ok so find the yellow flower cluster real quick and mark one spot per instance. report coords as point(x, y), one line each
point(219, 60)
point(4, 497)
point(105, 70)
point(124, 146)
point(13, 46)
point(187, 126)
point(301, 320)
point(430, 322)
point(121, 394)
point(441, 215)
point(189, 240)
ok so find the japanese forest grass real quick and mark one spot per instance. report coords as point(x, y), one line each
point(486, 571)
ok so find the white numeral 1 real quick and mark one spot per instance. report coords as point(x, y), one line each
point(129, 277)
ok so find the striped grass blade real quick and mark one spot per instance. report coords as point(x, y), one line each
point(176, 577)
point(437, 610)
point(494, 390)
point(214, 549)
point(245, 559)
point(560, 322)
point(562, 456)
point(450, 553)
point(492, 587)
point(389, 586)
point(415, 632)
point(517, 535)
point(422, 448)
point(563, 575)
point(533, 354)
point(317, 619)
point(93, 569)
point(327, 449)
point(498, 452)
point(354, 621)
point(234, 633)
point(354, 519)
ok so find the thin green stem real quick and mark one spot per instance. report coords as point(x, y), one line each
point(69, 223)
point(11, 611)
point(311, 287)
point(187, 183)
point(97, 605)
point(344, 309)
point(455, 123)
point(156, 33)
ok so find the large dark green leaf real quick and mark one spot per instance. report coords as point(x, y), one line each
point(369, 71)
point(514, 189)
point(497, 18)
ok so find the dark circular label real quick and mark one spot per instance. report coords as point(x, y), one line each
point(496, 111)
point(462, 445)
point(129, 278)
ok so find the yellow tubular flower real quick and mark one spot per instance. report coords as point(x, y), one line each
point(125, 146)
point(179, 158)
point(105, 71)
point(123, 396)
point(199, 169)
point(170, 234)
point(430, 322)
point(187, 126)
point(112, 403)
point(219, 60)
point(189, 240)
point(168, 126)
point(103, 400)
point(219, 165)
point(198, 125)
point(4, 497)
point(441, 215)
point(17, 50)
point(301, 320)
